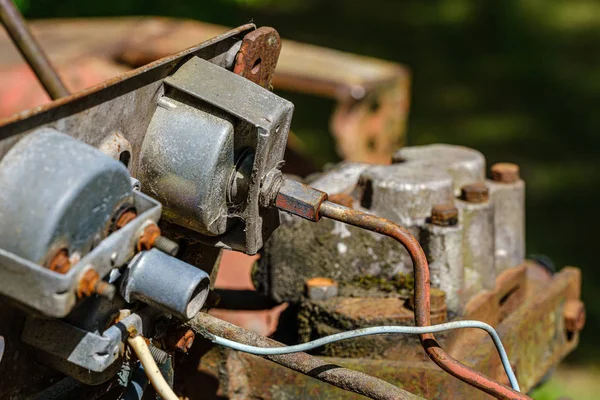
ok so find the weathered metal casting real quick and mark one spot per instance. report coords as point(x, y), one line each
point(249, 120)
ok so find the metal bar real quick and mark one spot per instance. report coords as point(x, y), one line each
point(314, 367)
point(15, 25)
point(422, 305)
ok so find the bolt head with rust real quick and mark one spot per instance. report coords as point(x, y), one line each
point(87, 283)
point(444, 215)
point(505, 172)
point(475, 193)
point(148, 237)
point(124, 218)
point(61, 262)
point(574, 315)
point(321, 288)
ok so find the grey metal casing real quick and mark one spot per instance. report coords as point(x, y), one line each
point(261, 122)
point(187, 158)
point(58, 192)
point(167, 283)
point(28, 282)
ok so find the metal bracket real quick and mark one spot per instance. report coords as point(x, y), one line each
point(53, 294)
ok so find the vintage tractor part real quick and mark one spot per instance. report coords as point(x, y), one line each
point(204, 139)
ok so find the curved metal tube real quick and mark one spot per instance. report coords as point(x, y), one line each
point(422, 305)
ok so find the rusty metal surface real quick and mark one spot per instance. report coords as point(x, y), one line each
point(258, 55)
point(372, 95)
point(21, 36)
point(335, 375)
point(526, 307)
point(422, 297)
point(300, 199)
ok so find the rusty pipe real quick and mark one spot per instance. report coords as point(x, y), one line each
point(19, 32)
point(353, 381)
point(422, 289)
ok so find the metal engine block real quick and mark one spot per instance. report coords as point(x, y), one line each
point(117, 200)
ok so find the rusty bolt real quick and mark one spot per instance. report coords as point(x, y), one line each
point(475, 193)
point(574, 315)
point(444, 215)
point(181, 339)
point(91, 283)
point(342, 199)
point(148, 237)
point(321, 288)
point(151, 237)
point(60, 262)
point(505, 172)
point(126, 217)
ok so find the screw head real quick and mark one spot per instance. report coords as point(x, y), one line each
point(444, 215)
point(475, 193)
point(505, 172)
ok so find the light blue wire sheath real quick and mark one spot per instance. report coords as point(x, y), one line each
point(376, 330)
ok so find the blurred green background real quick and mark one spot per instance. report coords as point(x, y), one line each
point(517, 80)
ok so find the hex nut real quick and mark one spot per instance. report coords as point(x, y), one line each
point(505, 172)
point(475, 193)
point(444, 215)
point(321, 288)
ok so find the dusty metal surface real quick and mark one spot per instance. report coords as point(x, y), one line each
point(372, 95)
point(422, 297)
point(507, 192)
point(32, 52)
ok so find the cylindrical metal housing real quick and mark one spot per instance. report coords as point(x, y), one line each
point(464, 165)
point(509, 221)
point(404, 194)
point(166, 282)
point(442, 246)
point(477, 245)
point(58, 194)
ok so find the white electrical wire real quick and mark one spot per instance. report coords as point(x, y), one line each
point(376, 330)
point(139, 346)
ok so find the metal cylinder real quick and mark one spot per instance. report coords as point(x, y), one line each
point(477, 245)
point(167, 283)
point(59, 196)
point(508, 198)
point(464, 165)
point(442, 246)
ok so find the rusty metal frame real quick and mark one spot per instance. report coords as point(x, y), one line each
point(372, 95)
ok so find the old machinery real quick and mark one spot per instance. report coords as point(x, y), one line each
point(117, 200)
